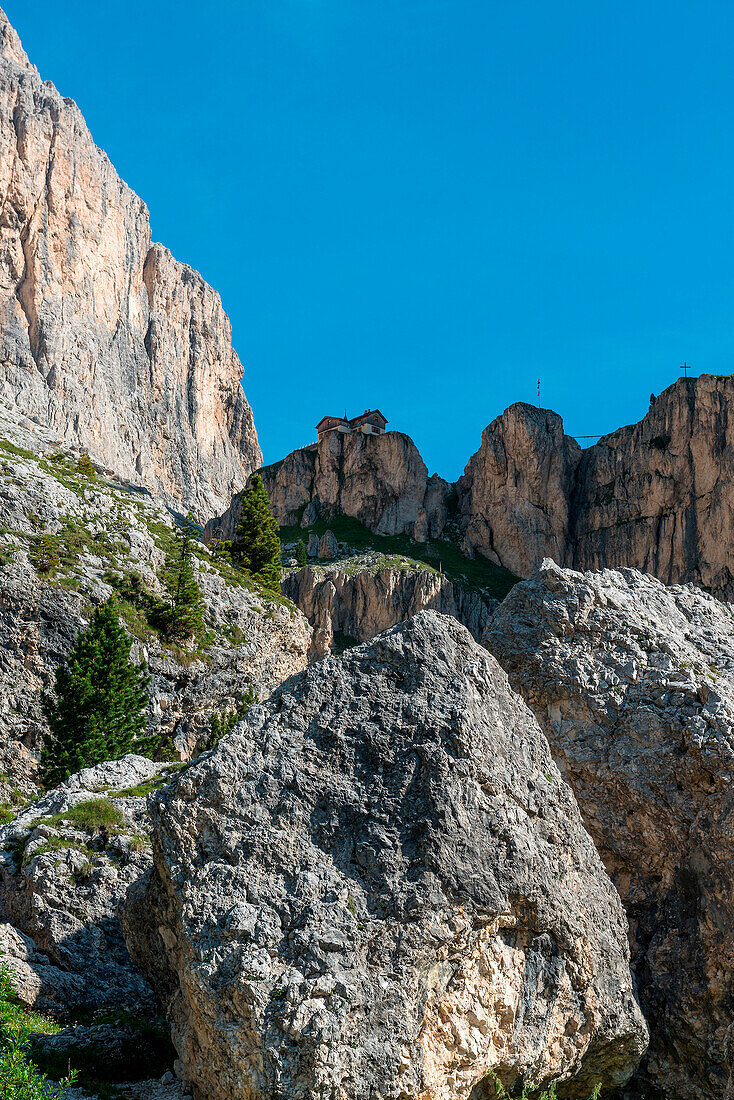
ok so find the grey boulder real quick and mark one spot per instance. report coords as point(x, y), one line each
point(378, 886)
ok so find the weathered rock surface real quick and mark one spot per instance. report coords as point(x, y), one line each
point(515, 494)
point(61, 881)
point(633, 684)
point(654, 496)
point(380, 480)
point(103, 336)
point(104, 530)
point(360, 597)
point(379, 886)
point(657, 495)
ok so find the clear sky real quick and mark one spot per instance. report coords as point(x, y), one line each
point(425, 205)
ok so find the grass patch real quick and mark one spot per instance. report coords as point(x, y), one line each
point(142, 789)
point(61, 551)
point(97, 813)
point(476, 574)
point(11, 449)
point(59, 844)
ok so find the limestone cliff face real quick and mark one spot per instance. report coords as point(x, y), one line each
point(360, 600)
point(655, 496)
point(381, 480)
point(108, 340)
point(658, 495)
point(514, 497)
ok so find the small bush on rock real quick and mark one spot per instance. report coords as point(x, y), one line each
point(85, 466)
point(223, 723)
point(99, 712)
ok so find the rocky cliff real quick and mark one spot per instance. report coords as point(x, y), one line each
point(360, 597)
point(378, 886)
point(104, 337)
point(633, 684)
point(657, 495)
point(515, 494)
point(654, 496)
point(380, 480)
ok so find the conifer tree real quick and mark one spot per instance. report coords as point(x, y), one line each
point(99, 712)
point(301, 555)
point(185, 617)
point(256, 544)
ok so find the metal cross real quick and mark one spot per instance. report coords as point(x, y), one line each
point(685, 368)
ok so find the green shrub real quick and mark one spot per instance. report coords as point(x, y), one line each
point(99, 712)
point(301, 555)
point(548, 1094)
point(224, 722)
point(20, 1079)
point(85, 466)
point(256, 545)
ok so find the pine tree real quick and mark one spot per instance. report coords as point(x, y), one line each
point(99, 712)
point(256, 544)
point(185, 617)
point(301, 555)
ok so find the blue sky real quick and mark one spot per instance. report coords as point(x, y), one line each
point(425, 205)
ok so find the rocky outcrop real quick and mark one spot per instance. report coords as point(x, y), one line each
point(653, 496)
point(380, 480)
point(633, 684)
point(360, 597)
point(66, 862)
point(515, 494)
point(110, 539)
point(104, 337)
point(657, 495)
point(378, 885)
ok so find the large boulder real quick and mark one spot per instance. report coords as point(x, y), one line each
point(378, 885)
point(633, 684)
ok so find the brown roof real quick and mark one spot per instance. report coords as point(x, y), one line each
point(367, 413)
point(336, 419)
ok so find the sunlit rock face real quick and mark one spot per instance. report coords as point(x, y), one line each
point(105, 338)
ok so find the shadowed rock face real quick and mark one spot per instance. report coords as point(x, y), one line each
point(358, 600)
point(379, 886)
point(104, 337)
point(633, 684)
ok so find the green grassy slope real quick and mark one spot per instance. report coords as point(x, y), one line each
point(477, 574)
